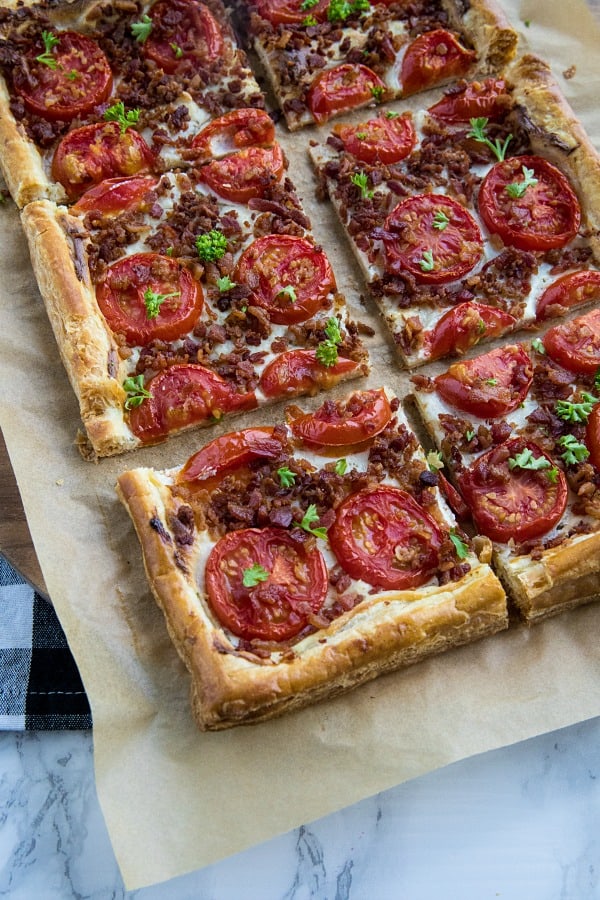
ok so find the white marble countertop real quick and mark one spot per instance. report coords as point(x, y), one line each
point(520, 823)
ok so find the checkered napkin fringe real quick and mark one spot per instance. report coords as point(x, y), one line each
point(40, 686)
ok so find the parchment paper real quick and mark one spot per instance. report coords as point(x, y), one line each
point(175, 799)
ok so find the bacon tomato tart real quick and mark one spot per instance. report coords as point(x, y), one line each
point(325, 57)
point(296, 561)
point(98, 90)
point(519, 430)
point(178, 299)
point(474, 217)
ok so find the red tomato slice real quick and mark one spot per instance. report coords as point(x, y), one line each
point(576, 344)
point(126, 293)
point(382, 536)
point(244, 175)
point(183, 32)
point(361, 416)
point(274, 263)
point(78, 79)
point(569, 290)
point(513, 502)
point(184, 395)
point(432, 253)
point(115, 195)
point(234, 131)
point(465, 325)
point(90, 154)
point(342, 88)
point(490, 385)
point(290, 12)
point(277, 608)
point(473, 100)
point(592, 435)
point(431, 58)
point(546, 216)
point(229, 451)
point(453, 498)
point(385, 140)
point(299, 371)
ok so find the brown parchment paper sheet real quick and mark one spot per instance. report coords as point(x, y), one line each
point(175, 799)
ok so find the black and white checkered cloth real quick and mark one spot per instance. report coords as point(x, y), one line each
point(40, 686)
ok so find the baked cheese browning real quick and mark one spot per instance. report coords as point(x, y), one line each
point(463, 218)
point(519, 429)
point(324, 59)
point(107, 92)
point(201, 306)
point(291, 564)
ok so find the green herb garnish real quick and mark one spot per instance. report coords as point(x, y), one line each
point(435, 461)
point(154, 301)
point(141, 30)
point(254, 575)
point(124, 119)
point(426, 262)
point(517, 188)
point(340, 467)
point(361, 181)
point(286, 477)
point(440, 220)
point(225, 283)
point(538, 346)
point(477, 132)
point(339, 10)
point(136, 392)
point(576, 412)
point(526, 460)
point(462, 549)
point(289, 292)
point(310, 517)
point(50, 42)
point(211, 246)
point(574, 451)
point(326, 352)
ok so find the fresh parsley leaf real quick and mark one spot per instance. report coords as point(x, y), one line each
point(440, 220)
point(339, 10)
point(225, 283)
point(153, 302)
point(435, 461)
point(469, 435)
point(391, 115)
point(136, 392)
point(310, 517)
point(377, 91)
point(308, 21)
point(462, 549)
point(340, 467)
point(576, 412)
point(289, 292)
point(141, 30)
point(426, 262)
point(517, 188)
point(538, 346)
point(574, 451)
point(308, 4)
point(332, 330)
point(491, 381)
point(118, 114)
point(597, 380)
point(176, 50)
point(254, 575)
point(286, 477)
point(73, 75)
point(361, 135)
point(526, 460)
point(361, 181)
point(327, 353)
point(477, 132)
point(211, 246)
point(50, 42)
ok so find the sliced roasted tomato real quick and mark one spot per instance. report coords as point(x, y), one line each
point(529, 203)
point(246, 174)
point(576, 344)
point(382, 536)
point(291, 12)
point(234, 131)
point(66, 80)
point(514, 491)
point(385, 139)
point(465, 325)
point(361, 416)
point(473, 100)
point(572, 289)
point(490, 385)
point(90, 154)
point(431, 58)
point(183, 32)
point(592, 435)
point(229, 451)
point(343, 88)
point(148, 297)
point(453, 498)
point(288, 276)
point(115, 195)
point(299, 371)
point(433, 237)
point(263, 584)
point(184, 395)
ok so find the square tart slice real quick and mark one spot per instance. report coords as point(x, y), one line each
point(518, 429)
point(470, 218)
point(293, 562)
